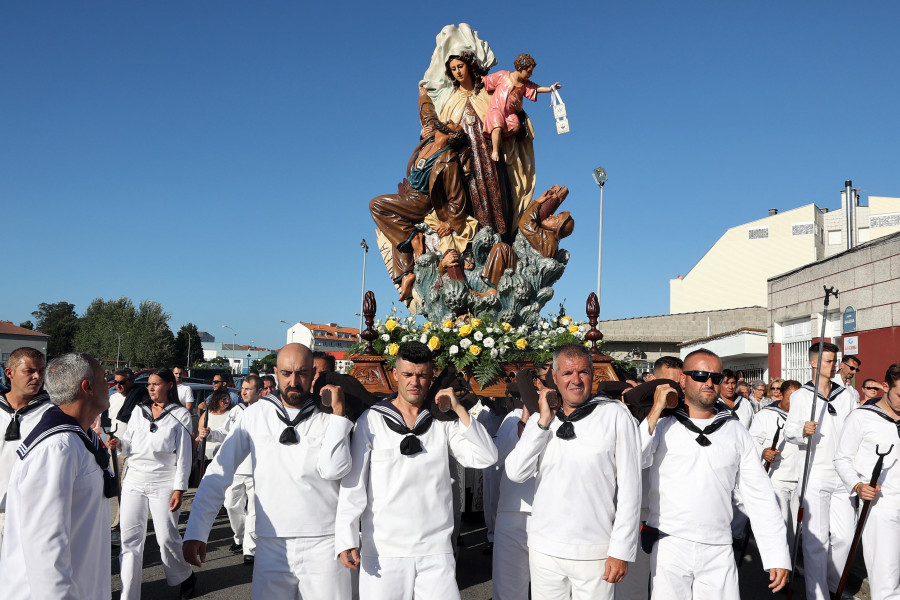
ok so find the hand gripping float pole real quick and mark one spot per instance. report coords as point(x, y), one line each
point(829, 291)
point(746, 539)
point(863, 515)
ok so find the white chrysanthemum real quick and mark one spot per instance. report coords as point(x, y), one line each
point(385, 338)
point(445, 329)
point(454, 349)
point(545, 325)
point(478, 336)
point(494, 353)
point(489, 342)
point(490, 330)
point(465, 343)
point(560, 330)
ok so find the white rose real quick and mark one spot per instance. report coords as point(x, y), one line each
point(446, 329)
point(454, 349)
point(405, 338)
point(560, 330)
point(545, 325)
point(494, 353)
point(465, 343)
point(385, 338)
point(478, 336)
point(424, 338)
point(503, 350)
point(489, 342)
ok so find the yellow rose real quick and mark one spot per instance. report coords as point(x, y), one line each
point(476, 322)
point(426, 326)
point(393, 349)
point(448, 324)
point(573, 328)
point(473, 349)
point(566, 320)
point(507, 327)
point(434, 343)
point(465, 330)
point(390, 325)
point(521, 343)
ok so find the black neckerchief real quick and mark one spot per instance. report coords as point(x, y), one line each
point(12, 430)
point(410, 444)
point(872, 408)
point(835, 390)
point(566, 431)
point(289, 435)
point(722, 415)
point(55, 421)
point(148, 414)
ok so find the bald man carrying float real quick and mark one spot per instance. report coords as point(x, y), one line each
point(299, 455)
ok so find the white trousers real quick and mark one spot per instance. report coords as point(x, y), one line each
point(881, 549)
point(299, 568)
point(789, 502)
point(685, 570)
point(490, 495)
point(240, 503)
point(2, 526)
point(828, 523)
point(431, 577)
point(555, 578)
point(138, 501)
point(510, 561)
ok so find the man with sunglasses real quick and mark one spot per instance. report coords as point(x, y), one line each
point(132, 395)
point(696, 454)
point(850, 365)
point(828, 515)
point(220, 382)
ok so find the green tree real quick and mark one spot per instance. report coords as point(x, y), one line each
point(265, 364)
point(59, 321)
point(152, 341)
point(27, 325)
point(103, 325)
point(188, 332)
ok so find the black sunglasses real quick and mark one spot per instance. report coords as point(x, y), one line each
point(872, 389)
point(852, 368)
point(775, 389)
point(703, 376)
point(214, 381)
point(117, 382)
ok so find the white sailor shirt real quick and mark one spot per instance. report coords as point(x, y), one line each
point(825, 438)
point(27, 421)
point(217, 436)
point(296, 484)
point(402, 503)
point(743, 410)
point(162, 455)
point(787, 465)
point(594, 478)
point(57, 541)
point(691, 486)
point(514, 497)
point(867, 429)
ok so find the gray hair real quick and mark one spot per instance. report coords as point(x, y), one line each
point(65, 374)
point(572, 351)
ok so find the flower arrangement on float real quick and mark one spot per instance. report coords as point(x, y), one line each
point(480, 345)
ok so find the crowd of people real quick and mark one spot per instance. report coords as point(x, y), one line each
point(635, 490)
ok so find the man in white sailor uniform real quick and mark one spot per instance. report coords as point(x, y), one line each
point(739, 406)
point(398, 491)
point(696, 454)
point(240, 498)
point(786, 460)
point(57, 543)
point(869, 431)
point(582, 532)
point(20, 410)
point(299, 455)
point(828, 514)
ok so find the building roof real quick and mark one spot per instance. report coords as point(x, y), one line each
point(887, 239)
point(331, 330)
point(678, 327)
point(7, 328)
point(723, 335)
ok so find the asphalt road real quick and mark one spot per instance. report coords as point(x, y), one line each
point(224, 576)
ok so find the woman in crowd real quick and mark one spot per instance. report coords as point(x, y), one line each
point(157, 443)
point(213, 419)
point(773, 392)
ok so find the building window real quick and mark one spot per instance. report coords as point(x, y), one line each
point(803, 228)
point(888, 220)
point(795, 361)
point(758, 233)
point(834, 237)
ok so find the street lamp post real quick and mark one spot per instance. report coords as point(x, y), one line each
point(290, 328)
point(365, 248)
point(600, 178)
point(233, 343)
point(118, 345)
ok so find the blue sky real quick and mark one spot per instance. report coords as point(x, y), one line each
point(218, 157)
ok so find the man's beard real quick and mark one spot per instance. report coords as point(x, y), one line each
point(299, 396)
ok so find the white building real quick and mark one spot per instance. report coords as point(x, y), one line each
point(239, 357)
point(781, 242)
point(330, 338)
